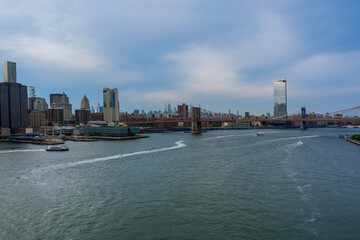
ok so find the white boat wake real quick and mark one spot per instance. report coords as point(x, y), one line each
point(179, 144)
point(17, 151)
point(292, 138)
point(237, 135)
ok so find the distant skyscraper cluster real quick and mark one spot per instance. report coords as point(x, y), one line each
point(19, 111)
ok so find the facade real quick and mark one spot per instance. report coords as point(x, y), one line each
point(112, 131)
point(13, 99)
point(97, 117)
point(55, 116)
point(111, 105)
point(58, 98)
point(280, 98)
point(183, 111)
point(9, 72)
point(37, 119)
point(38, 104)
point(82, 116)
point(61, 101)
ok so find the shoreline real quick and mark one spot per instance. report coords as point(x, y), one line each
point(357, 142)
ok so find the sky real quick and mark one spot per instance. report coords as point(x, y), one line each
point(220, 55)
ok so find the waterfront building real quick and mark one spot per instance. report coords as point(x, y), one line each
point(111, 105)
point(61, 101)
point(183, 111)
point(13, 99)
point(111, 131)
point(280, 98)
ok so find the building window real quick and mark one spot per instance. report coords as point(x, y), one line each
point(112, 99)
point(105, 99)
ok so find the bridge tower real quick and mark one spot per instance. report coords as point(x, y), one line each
point(195, 120)
point(303, 116)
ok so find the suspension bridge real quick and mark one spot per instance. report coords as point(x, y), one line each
point(302, 118)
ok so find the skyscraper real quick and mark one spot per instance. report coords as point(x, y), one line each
point(13, 99)
point(82, 115)
point(61, 101)
point(280, 98)
point(9, 72)
point(111, 105)
point(85, 103)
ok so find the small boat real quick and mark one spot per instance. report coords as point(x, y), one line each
point(259, 133)
point(57, 148)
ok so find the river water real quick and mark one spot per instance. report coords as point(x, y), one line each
point(286, 184)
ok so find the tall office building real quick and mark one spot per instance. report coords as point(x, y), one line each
point(61, 101)
point(280, 98)
point(85, 103)
point(9, 72)
point(82, 115)
point(111, 105)
point(13, 99)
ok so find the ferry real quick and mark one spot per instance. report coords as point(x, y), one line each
point(57, 148)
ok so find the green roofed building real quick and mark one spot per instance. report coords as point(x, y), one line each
point(111, 131)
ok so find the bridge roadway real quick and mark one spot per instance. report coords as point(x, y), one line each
point(169, 122)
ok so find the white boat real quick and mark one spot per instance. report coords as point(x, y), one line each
point(57, 148)
point(259, 133)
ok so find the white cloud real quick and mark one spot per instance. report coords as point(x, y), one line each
point(51, 53)
point(325, 75)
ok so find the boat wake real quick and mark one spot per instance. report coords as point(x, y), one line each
point(292, 138)
point(297, 144)
point(17, 151)
point(179, 144)
point(237, 135)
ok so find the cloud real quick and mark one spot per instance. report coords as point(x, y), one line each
point(50, 52)
point(322, 75)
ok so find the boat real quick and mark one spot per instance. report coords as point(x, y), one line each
point(57, 148)
point(259, 133)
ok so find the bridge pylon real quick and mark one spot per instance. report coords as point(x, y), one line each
point(195, 120)
point(303, 125)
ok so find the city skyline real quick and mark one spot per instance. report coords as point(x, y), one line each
point(219, 55)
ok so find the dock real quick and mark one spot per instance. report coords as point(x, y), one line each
point(357, 142)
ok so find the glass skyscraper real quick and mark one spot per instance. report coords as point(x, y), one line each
point(280, 98)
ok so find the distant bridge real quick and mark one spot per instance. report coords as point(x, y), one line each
point(342, 117)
